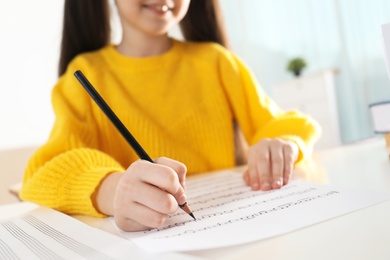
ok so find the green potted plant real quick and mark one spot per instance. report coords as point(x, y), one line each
point(296, 65)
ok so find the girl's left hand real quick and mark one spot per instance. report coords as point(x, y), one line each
point(270, 163)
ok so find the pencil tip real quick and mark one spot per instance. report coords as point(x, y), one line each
point(192, 215)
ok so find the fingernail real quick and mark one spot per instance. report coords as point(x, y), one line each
point(255, 186)
point(265, 185)
point(278, 183)
point(182, 199)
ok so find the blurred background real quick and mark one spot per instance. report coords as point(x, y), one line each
point(339, 40)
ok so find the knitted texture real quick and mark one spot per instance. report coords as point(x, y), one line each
point(180, 105)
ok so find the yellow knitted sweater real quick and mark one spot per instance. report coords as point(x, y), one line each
point(180, 104)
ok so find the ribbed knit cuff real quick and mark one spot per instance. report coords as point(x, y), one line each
point(67, 182)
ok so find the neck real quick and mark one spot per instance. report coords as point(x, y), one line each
point(144, 45)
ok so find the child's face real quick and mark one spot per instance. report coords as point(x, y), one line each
point(153, 17)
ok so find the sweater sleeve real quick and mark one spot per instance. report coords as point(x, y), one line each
point(64, 173)
point(258, 115)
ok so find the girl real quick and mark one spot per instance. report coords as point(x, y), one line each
point(181, 100)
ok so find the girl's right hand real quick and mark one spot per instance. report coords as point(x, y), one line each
point(147, 192)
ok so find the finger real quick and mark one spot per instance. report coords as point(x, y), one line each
point(264, 166)
point(172, 183)
point(163, 177)
point(158, 175)
point(252, 176)
point(178, 167)
point(288, 164)
point(259, 165)
point(137, 217)
point(153, 198)
point(245, 177)
point(277, 164)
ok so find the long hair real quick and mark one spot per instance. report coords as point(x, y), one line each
point(204, 23)
point(86, 26)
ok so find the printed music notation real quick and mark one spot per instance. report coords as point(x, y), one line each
point(230, 213)
point(241, 218)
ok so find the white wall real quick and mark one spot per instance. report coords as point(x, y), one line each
point(29, 48)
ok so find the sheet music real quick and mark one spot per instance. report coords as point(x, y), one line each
point(43, 233)
point(230, 213)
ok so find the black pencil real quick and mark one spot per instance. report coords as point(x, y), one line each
point(119, 125)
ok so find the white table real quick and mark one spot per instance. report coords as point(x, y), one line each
point(12, 165)
point(364, 234)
